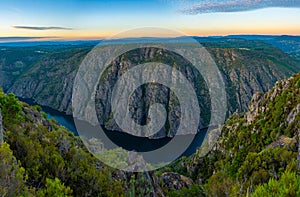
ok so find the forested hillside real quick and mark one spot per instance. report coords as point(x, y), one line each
point(257, 151)
point(41, 158)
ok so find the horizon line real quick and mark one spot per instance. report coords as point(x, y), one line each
point(13, 39)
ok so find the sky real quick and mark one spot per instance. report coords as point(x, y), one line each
point(92, 19)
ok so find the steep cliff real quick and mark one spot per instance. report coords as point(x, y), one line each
point(49, 82)
point(149, 94)
point(247, 67)
point(245, 71)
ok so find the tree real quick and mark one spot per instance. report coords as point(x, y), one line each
point(55, 188)
point(11, 109)
point(287, 185)
point(12, 175)
point(193, 191)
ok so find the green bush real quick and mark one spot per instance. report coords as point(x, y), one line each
point(12, 175)
point(55, 188)
point(287, 185)
point(193, 191)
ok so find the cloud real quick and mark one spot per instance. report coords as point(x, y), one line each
point(41, 28)
point(23, 38)
point(236, 5)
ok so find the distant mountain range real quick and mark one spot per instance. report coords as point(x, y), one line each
point(287, 43)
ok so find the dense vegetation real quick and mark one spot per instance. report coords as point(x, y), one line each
point(257, 151)
point(51, 161)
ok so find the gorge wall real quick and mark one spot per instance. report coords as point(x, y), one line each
point(247, 67)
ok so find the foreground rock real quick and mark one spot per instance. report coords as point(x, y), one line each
point(170, 180)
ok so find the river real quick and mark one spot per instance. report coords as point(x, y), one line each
point(124, 140)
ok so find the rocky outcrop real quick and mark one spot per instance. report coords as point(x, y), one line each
point(254, 107)
point(292, 115)
point(36, 117)
point(170, 180)
point(283, 141)
point(260, 102)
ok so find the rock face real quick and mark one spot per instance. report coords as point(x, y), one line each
point(245, 71)
point(249, 71)
point(283, 141)
point(254, 107)
point(258, 102)
point(150, 94)
point(243, 75)
point(170, 180)
point(292, 115)
point(36, 117)
point(49, 82)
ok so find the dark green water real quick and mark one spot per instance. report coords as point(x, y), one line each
point(124, 140)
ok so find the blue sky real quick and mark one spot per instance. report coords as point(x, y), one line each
point(91, 19)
